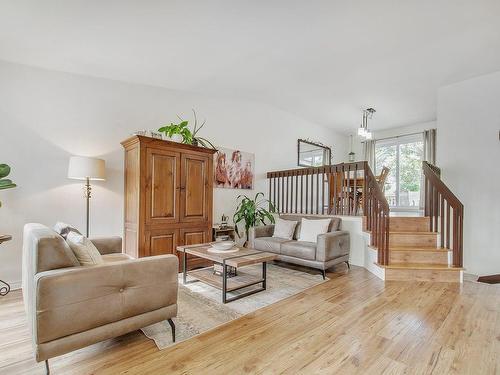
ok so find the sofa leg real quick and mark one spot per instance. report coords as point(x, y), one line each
point(323, 272)
point(47, 368)
point(172, 325)
point(348, 265)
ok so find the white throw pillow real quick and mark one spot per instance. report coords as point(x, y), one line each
point(84, 250)
point(284, 228)
point(310, 229)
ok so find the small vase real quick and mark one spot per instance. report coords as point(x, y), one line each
point(175, 138)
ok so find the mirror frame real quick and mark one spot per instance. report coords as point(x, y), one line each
point(299, 141)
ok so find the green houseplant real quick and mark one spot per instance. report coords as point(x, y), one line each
point(188, 137)
point(252, 213)
point(5, 183)
point(178, 129)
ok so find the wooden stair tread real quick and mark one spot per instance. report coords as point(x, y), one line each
point(411, 233)
point(422, 249)
point(415, 248)
point(421, 266)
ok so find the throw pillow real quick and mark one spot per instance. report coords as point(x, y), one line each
point(310, 229)
point(284, 228)
point(84, 250)
point(64, 229)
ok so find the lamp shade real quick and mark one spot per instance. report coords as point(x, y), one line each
point(81, 168)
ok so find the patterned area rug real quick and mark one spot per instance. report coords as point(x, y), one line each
point(201, 307)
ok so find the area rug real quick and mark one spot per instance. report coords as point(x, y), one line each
point(201, 308)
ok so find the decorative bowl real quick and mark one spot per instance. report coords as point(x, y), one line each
point(223, 245)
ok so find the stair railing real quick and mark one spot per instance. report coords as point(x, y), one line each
point(445, 210)
point(377, 216)
point(340, 189)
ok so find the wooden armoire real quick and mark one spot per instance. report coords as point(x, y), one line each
point(168, 197)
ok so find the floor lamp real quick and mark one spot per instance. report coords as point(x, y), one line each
point(87, 169)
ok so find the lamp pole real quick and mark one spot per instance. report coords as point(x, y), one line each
point(86, 169)
point(87, 192)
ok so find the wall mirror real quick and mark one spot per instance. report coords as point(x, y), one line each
point(311, 154)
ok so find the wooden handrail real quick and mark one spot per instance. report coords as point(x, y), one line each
point(445, 210)
point(337, 190)
point(377, 216)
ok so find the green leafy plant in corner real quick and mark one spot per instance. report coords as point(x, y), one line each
point(252, 213)
point(5, 183)
point(188, 137)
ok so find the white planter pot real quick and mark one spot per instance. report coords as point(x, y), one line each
point(175, 138)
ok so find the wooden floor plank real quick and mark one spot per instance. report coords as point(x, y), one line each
point(353, 323)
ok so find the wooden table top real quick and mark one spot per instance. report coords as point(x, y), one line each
point(5, 237)
point(240, 258)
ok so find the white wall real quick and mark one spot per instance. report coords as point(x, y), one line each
point(468, 152)
point(46, 116)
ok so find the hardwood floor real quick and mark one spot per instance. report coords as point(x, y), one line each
point(354, 323)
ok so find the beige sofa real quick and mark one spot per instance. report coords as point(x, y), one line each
point(330, 248)
point(71, 306)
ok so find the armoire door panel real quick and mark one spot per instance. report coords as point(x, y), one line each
point(194, 188)
point(163, 181)
point(161, 242)
point(194, 236)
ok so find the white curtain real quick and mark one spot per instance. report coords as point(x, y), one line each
point(369, 153)
point(430, 146)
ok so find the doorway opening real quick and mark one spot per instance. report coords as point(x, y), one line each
point(403, 155)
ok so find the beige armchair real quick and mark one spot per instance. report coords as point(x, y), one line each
point(71, 306)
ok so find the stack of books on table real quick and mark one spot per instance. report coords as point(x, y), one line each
point(231, 271)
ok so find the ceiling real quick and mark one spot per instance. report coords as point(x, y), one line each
point(321, 60)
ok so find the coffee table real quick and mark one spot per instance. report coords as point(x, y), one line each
point(241, 258)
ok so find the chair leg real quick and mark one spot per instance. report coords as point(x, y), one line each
point(47, 368)
point(323, 272)
point(348, 265)
point(172, 325)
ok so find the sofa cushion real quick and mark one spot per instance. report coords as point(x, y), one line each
point(284, 228)
point(310, 229)
point(271, 244)
point(334, 225)
point(116, 257)
point(44, 250)
point(84, 250)
point(299, 249)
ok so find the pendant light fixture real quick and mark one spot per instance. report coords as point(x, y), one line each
point(351, 155)
point(363, 130)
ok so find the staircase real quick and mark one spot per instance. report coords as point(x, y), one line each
point(428, 248)
point(414, 253)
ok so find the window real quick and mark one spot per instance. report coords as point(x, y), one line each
point(403, 155)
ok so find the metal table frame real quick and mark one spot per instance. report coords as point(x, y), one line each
point(225, 297)
point(4, 290)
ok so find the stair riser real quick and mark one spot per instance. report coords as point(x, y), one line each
point(409, 224)
point(419, 257)
point(416, 240)
point(422, 275)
